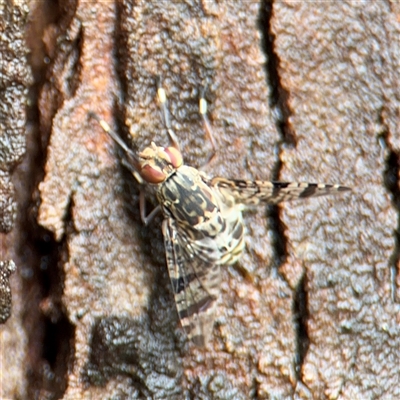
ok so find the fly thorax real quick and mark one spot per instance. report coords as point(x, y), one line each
point(186, 198)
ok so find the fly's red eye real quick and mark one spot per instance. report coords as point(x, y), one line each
point(175, 156)
point(152, 175)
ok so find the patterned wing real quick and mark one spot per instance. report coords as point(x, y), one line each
point(195, 284)
point(254, 192)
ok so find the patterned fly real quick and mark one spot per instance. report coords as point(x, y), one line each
point(203, 225)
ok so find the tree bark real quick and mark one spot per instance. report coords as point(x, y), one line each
point(297, 91)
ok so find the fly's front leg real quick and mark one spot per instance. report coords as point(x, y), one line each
point(206, 124)
point(162, 98)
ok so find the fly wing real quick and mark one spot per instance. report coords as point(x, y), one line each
point(195, 283)
point(255, 192)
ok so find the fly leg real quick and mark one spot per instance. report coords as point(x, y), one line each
point(162, 98)
point(132, 163)
point(206, 124)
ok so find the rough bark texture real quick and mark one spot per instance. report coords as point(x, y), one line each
point(15, 77)
point(340, 66)
point(297, 91)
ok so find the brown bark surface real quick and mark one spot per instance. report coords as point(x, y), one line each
point(15, 77)
point(339, 65)
point(297, 91)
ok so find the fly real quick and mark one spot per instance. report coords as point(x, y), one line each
point(203, 224)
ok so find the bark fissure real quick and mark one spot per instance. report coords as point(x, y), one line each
point(277, 103)
point(300, 311)
point(391, 176)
